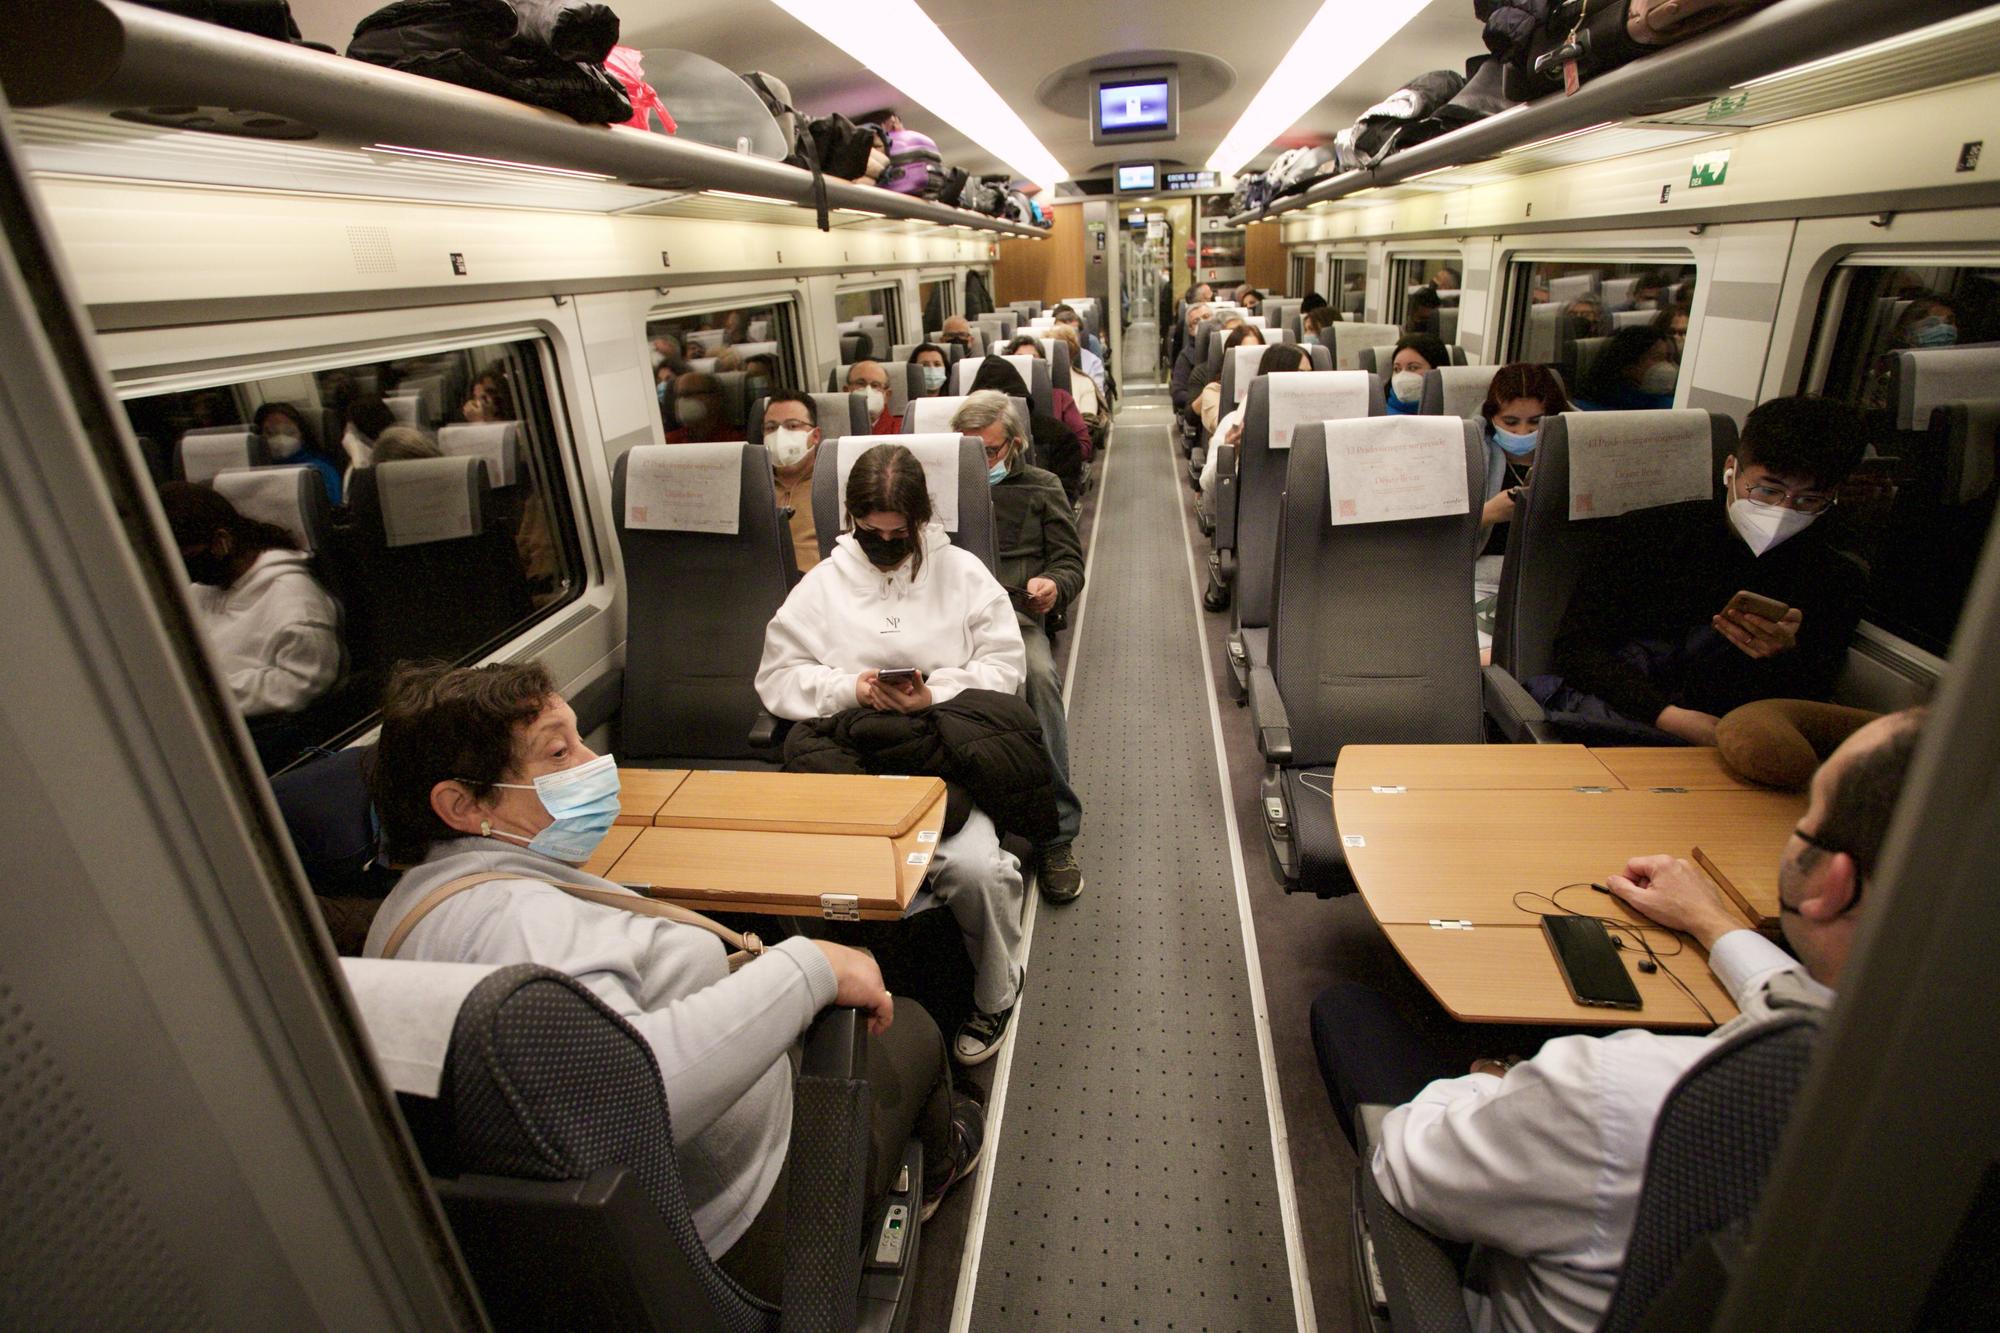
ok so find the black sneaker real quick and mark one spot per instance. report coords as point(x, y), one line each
point(982, 1036)
point(968, 1138)
point(1058, 875)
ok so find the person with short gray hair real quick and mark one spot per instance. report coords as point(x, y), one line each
point(1040, 562)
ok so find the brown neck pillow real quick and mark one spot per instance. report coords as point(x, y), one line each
point(1780, 742)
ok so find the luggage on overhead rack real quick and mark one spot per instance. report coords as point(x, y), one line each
point(547, 55)
point(914, 165)
point(628, 67)
point(1594, 37)
point(1311, 164)
point(1483, 95)
point(1379, 132)
point(951, 192)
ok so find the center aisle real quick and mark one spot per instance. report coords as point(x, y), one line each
point(1133, 1177)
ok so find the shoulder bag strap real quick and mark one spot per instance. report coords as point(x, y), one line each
point(745, 946)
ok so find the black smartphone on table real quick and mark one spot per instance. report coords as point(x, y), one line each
point(1590, 963)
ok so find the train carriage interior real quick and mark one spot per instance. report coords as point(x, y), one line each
point(928, 665)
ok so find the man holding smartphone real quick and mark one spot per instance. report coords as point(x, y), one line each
point(1709, 607)
point(1538, 1163)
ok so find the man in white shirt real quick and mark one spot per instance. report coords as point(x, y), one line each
point(1538, 1164)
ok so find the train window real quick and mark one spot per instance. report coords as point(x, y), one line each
point(1918, 511)
point(867, 308)
point(1304, 271)
point(1348, 275)
point(1435, 271)
point(332, 538)
point(937, 301)
point(1614, 329)
point(747, 349)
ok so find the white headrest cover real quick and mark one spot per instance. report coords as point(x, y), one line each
point(497, 442)
point(1464, 388)
point(206, 453)
point(428, 499)
point(1389, 469)
point(1313, 395)
point(685, 487)
point(1622, 461)
point(409, 1009)
point(274, 495)
point(1349, 339)
point(939, 455)
point(1935, 375)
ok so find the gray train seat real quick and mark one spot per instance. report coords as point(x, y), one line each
point(1712, 1147)
point(932, 416)
point(1372, 640)
point(1921, 380)
point(201, 453)
point(566, 1195)
point(690, 656)
point(839, 414)
point(1261, 473)
point(1455, 391)
point(1547, 550)
point(1969, 429)
point(292, 498)
point(964, 479)
point(1375, 360)
point(1034, 374)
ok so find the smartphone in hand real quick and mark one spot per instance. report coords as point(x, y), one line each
point(1757, 604)
point(898, 678)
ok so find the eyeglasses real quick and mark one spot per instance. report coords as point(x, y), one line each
point(1777, 497)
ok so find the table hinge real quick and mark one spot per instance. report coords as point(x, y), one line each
point(840, 907)
point(1388, 791)
point(1593, 791)
point(1439, 924)
point(1676, 791)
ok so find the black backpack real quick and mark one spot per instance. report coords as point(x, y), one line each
point(953, 190)
point(482, 44)
point(796, 131)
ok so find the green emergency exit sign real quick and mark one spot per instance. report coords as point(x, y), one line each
point(1729, 104)
point(1709, 169)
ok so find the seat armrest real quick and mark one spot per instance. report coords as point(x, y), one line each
point(1368, 1117)
point(826, 1202)
point(1421, 1274)
point(1514, 710)
point(1224, 500)
point(1268, 716)
point(767, 732)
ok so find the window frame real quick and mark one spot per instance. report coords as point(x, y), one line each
point(949, 280)
point(583, 536)
point(893, 317)
point(1515, 291)
point(788, 335)
point(1398, 293)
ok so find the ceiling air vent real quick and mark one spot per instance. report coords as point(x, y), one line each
point(240, 121)
point(372, 251)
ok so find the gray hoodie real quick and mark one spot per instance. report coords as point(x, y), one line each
point(721, 1038)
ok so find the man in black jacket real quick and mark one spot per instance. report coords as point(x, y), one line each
point(1184, 359)
point(1041, 566)
point(1649, 643)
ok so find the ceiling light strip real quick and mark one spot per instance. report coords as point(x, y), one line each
point(898, 43)
point(1338, 40)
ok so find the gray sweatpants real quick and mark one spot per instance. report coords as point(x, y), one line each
point(981, 883)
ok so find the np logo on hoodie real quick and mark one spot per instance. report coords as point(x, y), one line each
point(892, 624)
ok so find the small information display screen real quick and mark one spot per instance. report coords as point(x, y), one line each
point(1138, 177)
point(1124, 107)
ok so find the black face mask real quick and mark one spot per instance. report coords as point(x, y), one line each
point(882, 552)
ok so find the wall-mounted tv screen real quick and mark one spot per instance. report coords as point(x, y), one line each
point(1138, 177)
point(1128, 106)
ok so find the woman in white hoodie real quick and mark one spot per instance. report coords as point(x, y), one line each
point(896, 595)
point(273, 628)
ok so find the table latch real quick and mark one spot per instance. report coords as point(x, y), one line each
point(1674, 791)
point(1592, 791)
point(840, 907)
point(1441, 924)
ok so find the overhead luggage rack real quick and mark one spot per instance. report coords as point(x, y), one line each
point(1687, 91)
point(120, 90)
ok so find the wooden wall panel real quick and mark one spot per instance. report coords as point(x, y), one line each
point(1264, 259)
point(1047, 270)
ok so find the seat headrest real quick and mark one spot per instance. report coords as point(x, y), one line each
point(497, 443)
point(1349, 339)
point(430, 499)
point(1623, 461)
point(708, 340)
point(939, 455)
point(409, 1009)
point(1456, 391)
point(896, 372)
point(1304, 396)
point(1573, 287)
point(1391, 469)
point(292, 498)
point(968, 370)
point(1632, 319)
point(759, 348)
point(204, 453)
point(685, 488)
point(932, 416)
point(1933, 375)
point(837, 414)
point(407, 408)
point(1972, 439)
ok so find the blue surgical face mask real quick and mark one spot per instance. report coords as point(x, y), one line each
point(933, 378)
point(1934, 331)
point(583, 802)
point(1519, 446)
point(997, 473)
